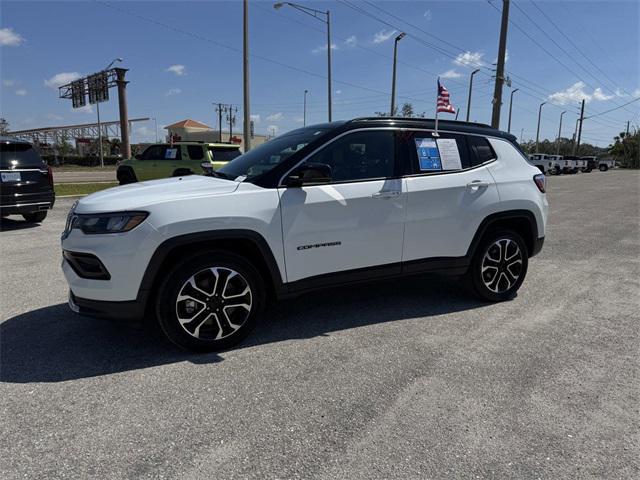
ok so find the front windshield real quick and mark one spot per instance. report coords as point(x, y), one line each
point(265, 157)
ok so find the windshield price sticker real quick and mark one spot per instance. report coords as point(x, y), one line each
point(428, 154)
point(449, 154)
point(170, 153)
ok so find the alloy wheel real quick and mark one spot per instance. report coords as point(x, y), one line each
point(502, 265)
point(214, 303)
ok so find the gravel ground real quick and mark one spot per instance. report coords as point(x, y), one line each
point(405, 379)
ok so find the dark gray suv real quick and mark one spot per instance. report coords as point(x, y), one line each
point(26, 182)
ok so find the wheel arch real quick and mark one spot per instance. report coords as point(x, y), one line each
point(247, 243)
point(523, 222)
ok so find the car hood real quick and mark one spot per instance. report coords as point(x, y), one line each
point(139, 195)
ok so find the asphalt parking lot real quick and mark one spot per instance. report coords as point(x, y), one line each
point(403, 379)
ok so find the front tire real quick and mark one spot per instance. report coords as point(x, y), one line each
point(499, 266)
point(126, 176)
point(210, 301)
point(35, 217)
point(603, 168)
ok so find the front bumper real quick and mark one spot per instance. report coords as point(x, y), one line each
point(124, 311)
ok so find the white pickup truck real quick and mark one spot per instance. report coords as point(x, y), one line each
point(603, 164)
point(546, 163)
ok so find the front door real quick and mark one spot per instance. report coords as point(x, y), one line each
point(354, 222)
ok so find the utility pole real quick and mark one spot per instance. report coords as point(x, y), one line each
point(521, 134)
point(393, 74)
point(304, 109)
point(125, 147)
point(510, 106)
point(100, 136)
point(231, 118)
point(245, 74)
point(575, 135)
point(502, 49)
point(580, 128)
point(538, 129)
point(220, 109)
point(559, 133)
point(470, 87)
point(627, 133)
point(329, 63)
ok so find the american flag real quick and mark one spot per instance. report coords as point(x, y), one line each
point(443, 100)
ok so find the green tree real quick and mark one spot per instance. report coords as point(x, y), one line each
point(626, 149)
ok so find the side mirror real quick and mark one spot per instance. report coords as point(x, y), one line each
point(309, 174)
point(137, 156)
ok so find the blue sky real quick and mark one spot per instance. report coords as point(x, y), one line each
point(184, 56)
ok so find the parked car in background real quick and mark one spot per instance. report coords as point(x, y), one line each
point(330, 204)
point(603, 164)
point(164, 160)
point(26, 182)
point(577, 163)
point(545, 163)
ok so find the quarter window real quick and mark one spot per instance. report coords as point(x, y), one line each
point(482, 151)
point(359, 156)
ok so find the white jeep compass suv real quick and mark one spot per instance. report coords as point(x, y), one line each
point(335, 203)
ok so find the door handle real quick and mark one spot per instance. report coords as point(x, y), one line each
point(386, 194)
point(477, 184)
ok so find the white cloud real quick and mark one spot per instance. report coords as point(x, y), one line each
point(86, 109)
point(179, 70)
point(173, 91)
point(636, 93)
point(338, 92)
point(351, 41)
point(9, 83)
point(298, 119)
point(275, 117)
point(619, 93)
point(576, 93)
point(9, 38)
point(427, 15)
point(145, 134)
point(53, 116)
point(323, 48)
point(450, 74)
point(469, 59)
point(383, 35)
point(21, 92)
point(273, 129)
point(61, 79)
point(255, 118)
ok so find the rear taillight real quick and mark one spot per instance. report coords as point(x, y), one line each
point(540, 182)
point(50, 176)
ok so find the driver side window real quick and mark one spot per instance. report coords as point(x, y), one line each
point(359, 156)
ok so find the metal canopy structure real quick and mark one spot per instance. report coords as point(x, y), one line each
point(55, 135)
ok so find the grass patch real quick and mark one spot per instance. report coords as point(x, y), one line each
point(80, 168)
point(63, 189)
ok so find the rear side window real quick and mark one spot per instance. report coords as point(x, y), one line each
point(162, 152)
point(224, 154)
point(429, 154)
point(19, 155)
point(481, 149)
point(196, 152)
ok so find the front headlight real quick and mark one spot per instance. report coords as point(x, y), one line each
point(109, 222)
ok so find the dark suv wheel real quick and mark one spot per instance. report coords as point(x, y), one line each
point(210, 301)
point(35, 217)
point(603, 168)
point(499, 266)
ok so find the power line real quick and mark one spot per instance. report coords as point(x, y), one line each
point(612, 109)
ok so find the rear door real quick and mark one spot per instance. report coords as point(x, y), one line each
point(450, 191)
point(158, 161)
point(22, 173)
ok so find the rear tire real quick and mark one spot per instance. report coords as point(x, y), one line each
point(499, 266)
point(603, 168)
point(35, 217)
point(210, 301)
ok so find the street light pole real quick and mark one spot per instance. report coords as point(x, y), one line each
point(304, 109)
point(393, 75)
point(559, 133)
point(318, 15)
point(511, 105)
point(538, 129)
point(245, 76)
point(470, 87)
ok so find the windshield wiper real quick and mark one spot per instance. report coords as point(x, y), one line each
point(215, 173)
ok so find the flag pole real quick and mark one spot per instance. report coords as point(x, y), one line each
point(435, 134)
